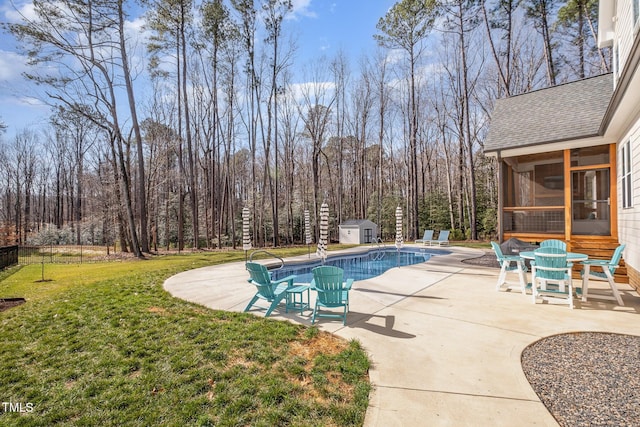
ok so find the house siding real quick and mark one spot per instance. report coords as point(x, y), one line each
point(624, 29)
point(625, 34)
point(634, 276)
point(629, 218)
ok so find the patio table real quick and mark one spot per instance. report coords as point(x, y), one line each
point(296, 299)
point(571, 257)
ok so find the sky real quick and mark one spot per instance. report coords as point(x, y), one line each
point(320, 27)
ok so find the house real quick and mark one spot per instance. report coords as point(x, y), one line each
point(357, 231)
point(569, 155)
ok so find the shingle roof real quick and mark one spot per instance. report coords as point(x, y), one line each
point(355, 222)
point(568, 111)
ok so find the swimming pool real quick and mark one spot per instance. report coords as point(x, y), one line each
point(361, 266)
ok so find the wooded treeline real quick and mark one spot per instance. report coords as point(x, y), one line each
point(159, 142)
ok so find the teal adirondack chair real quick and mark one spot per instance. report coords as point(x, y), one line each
point(608, 269)
point(272, 291)
point(426, 239)
point(510, 264)
point(554, 243)
point(551, 275)
point(332, 291)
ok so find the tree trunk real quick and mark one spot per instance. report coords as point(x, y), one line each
point(142, 197)
point(467, 127)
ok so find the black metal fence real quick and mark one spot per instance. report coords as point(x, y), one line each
point(8, 256)
point(68, 254)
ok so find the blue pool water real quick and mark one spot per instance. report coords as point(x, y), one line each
point(360, 266)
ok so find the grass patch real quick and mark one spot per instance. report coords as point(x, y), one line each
point(104, 344)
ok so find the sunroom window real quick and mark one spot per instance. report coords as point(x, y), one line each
point(534, 193)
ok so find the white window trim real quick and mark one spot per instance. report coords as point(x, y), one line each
point(626, 175)
point(635, 17)
point(616, 62)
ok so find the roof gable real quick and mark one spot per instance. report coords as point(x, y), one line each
point(559, 113)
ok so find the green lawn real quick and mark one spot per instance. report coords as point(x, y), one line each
point(104, 344)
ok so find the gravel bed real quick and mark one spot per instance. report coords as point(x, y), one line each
point(486, 260)
point(587, 378)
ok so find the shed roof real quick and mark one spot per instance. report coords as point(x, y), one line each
point(356, 222)
point(569, 111)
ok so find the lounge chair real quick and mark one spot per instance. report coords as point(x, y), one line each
point(608, 269)
point(272, 291)
point(553, 243)
point(332, 291)
point(443, 239)
point(510, 263)
point(551, 275)
point(426, 239)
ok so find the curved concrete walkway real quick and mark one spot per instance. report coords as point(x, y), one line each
point(445, 346)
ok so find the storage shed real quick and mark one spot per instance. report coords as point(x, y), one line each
point(356, 231)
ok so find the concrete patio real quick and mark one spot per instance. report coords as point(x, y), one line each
point(445, 346)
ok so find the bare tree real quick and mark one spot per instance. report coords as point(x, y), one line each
point(247, 31)
point(505, 10)
point(461, 20)
point(220, 35)
point(315, 111)
point(274, 12)
point(170, 20)
point(290, 128)
point(81, 135)
point(362, 111)
point(379, 76)
point(83, 40)
point(540, 13)
point(404, 27)
point(340, 70)
point(576, 22)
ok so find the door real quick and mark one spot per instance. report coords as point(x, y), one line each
point(591, 202)
point(368, 234)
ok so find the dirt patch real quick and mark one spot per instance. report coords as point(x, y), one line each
point(158, 310)
point(308, 350)
point(7, 303)
point(321, 343)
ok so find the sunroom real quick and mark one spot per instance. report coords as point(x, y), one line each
point(557, 170)
point(537, 204)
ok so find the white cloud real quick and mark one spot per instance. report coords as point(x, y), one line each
point(138, 35)
point(136, 26)
point(317, 92)
point(325, 45)
point(29, 101)
point(302, 8)
point(17, 12)
point(11, 66)
point(395, 56)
